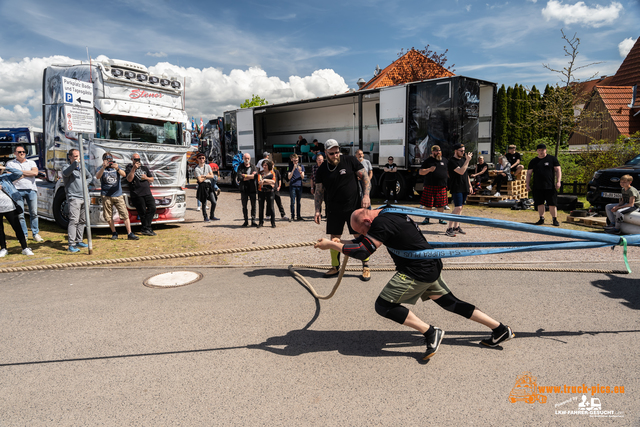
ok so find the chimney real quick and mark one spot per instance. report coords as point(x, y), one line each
point(361, 83)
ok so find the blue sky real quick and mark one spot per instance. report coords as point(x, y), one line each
point(278, 46)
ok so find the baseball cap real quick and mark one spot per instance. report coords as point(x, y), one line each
point(330, 144)
point(457, 146)
point(541, 146)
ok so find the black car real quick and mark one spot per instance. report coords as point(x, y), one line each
point(605, 187)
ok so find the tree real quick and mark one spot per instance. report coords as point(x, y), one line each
point(558, 112)
point(440, 59)
point(255, 101)
point(420, 64)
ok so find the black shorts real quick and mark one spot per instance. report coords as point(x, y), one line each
point(336, 220)
point(549, 196)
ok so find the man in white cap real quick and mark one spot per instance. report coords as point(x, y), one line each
point(337, 184)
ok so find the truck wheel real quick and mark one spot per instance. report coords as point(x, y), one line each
point(61, 209)
point(234, 179)
point(401, 186)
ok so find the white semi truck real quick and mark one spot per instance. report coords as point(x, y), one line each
point(135, 112)
point(402, 121)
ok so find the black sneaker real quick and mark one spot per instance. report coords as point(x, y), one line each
point(132, 236)
point(433, 343)
point(425, 222)
point(450, 232)
point(114, 236)
point(494, 341)
point(555, 222)
point(245, 224)
point(540, 222)
point(459, 230)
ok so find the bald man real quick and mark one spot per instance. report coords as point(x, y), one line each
point(414, 279)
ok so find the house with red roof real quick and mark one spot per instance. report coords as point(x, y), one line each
point(617, 99)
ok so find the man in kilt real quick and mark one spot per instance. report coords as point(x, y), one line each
point(434, 192)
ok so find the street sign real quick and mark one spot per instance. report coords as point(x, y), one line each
point(79, 114)
point(79, 119)
point(76, 92)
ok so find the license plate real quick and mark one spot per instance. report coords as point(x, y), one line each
point(611, 195)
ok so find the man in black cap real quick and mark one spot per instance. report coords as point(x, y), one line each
point(459, 185)
point(337, 186)
point(547, 178)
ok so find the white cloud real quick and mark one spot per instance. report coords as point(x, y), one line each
point(580, 13)
point(209, 92)
point(468, 8)
point(625, 46)
point(157, 54)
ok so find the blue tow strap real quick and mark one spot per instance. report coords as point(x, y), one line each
point(459, 249)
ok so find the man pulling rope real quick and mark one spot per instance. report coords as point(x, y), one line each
point(415, 278)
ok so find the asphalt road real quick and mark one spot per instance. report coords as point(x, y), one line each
point(252, 347)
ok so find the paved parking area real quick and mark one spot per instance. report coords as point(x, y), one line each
point(250, 346)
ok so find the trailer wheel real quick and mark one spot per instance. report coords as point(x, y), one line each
point(401, 186)
point(234, 179)
point(61, 209)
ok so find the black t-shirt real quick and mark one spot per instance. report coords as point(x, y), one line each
point(398, 231)
point(512, 158)
point(458, 183)
point(437, 178)
point(393, 175)
point(340, 183)
point(139, 188)
point(480, 167)
point(543, 172)
point(250, 186)
point(267, 188)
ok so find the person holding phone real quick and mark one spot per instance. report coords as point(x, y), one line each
point(111, 191)
point(140, 180)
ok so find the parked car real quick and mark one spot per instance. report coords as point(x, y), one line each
point(605, 188)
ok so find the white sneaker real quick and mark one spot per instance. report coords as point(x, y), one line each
point(27, 251)
point(489, 187)
point(497, 194)
point(199, 208)
point(447, 208)
point(38, 238)
point(3, 252)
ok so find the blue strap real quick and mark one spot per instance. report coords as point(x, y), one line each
point(587, 240)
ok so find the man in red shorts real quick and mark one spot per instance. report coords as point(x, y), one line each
point(434, 192)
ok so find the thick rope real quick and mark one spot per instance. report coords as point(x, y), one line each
point(152, 257)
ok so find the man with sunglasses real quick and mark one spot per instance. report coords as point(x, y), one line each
point(459, 185)
point(26, 186)
point(337, 185)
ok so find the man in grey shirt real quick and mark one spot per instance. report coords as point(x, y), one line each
point(72, 179)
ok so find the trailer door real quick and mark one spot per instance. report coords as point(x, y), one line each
point(393, 112)
point(244, 122)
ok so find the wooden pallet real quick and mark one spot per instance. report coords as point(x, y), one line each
point(589, 221)
point(474, 199)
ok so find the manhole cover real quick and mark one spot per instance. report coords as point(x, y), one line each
point(173, 279)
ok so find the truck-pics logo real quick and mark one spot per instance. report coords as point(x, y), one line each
point(526, 389)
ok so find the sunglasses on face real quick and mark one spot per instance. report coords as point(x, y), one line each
point(21, 152)
point(334, 153)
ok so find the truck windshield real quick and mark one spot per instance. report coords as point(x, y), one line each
point(136, 129)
